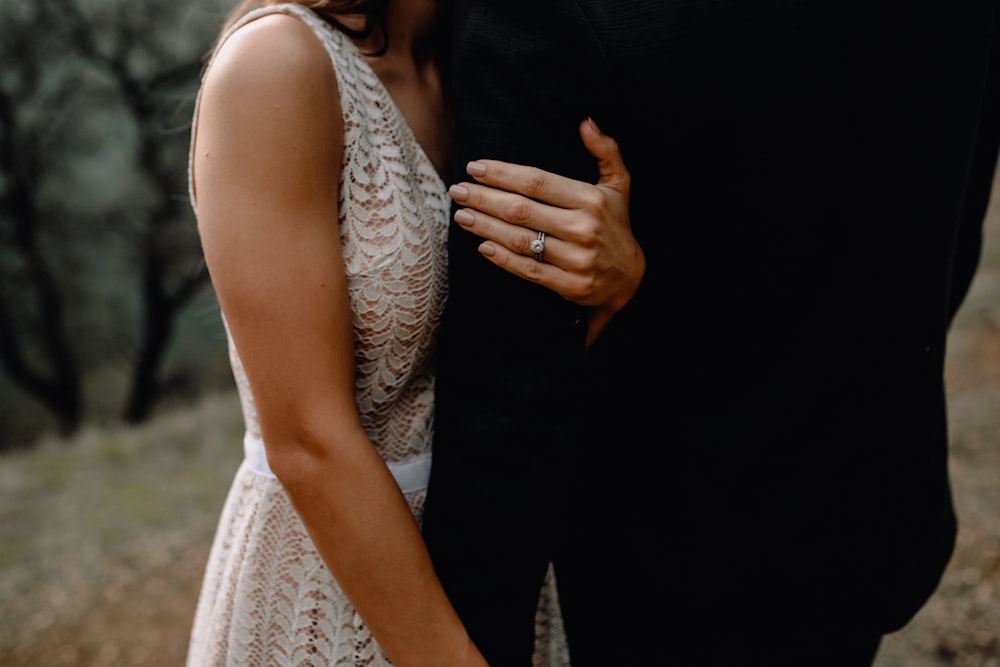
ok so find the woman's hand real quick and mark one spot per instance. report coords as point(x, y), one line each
point(590, 256)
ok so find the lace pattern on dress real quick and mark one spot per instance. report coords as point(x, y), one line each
point(393, 225)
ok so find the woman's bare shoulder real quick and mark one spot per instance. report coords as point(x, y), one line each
point(276, 59)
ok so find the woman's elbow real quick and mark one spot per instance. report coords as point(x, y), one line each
point(304, 455)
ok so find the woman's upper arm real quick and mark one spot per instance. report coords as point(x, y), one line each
point(266, 162)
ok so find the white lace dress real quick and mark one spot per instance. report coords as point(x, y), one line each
point(267, 598)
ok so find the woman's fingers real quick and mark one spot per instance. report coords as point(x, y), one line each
point(564, 267)
point(553, 189)
point(515, 237)
point(519, 194)
point(513, 208)
point(547, 274)
point(530, 182)
point(518, 240)
point(604, 149)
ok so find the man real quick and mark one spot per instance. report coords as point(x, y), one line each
point(749, 465)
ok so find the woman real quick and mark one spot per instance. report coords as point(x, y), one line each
point(319, 142)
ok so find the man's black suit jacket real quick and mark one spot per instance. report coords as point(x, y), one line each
point(764, 426)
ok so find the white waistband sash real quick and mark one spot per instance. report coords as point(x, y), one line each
point(411, 475)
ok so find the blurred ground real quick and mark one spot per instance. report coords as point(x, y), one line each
point(960, 626)
point(103, 540)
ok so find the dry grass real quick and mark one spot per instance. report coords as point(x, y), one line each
point(105, 537)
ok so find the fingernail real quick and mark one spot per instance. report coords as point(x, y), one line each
point(486, 248)
point(458, 192)
point(464, 217)
point(593, 124)
point(475, 169)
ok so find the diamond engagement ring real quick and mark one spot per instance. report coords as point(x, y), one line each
point(538, 246)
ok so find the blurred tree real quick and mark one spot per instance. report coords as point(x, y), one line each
point(34, 341)
point(95, 102)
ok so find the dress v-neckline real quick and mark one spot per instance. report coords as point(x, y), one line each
point(389, 101)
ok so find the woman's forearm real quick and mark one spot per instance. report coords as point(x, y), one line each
point(364, 530)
